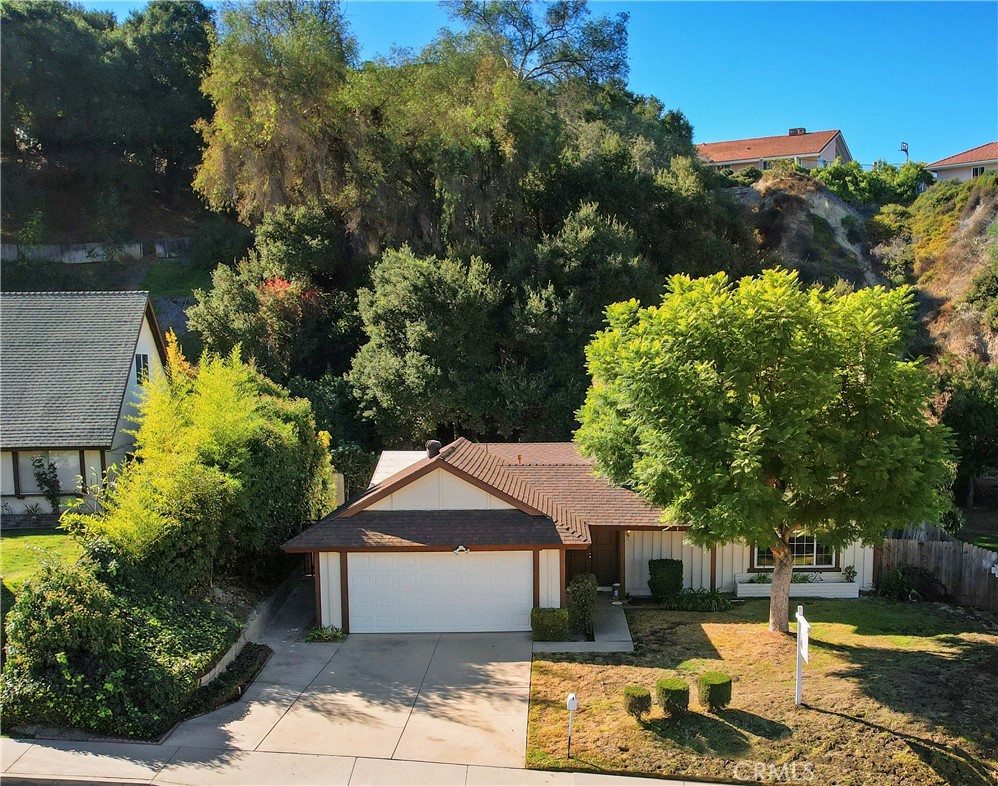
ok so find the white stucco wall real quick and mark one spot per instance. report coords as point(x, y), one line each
point(962, 173)
point(733, 561)
point(329, 588)
point(550, 578)
point(440, 490)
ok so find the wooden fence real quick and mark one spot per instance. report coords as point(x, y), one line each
point(966, 571)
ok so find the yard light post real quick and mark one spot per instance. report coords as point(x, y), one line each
point(572, 702)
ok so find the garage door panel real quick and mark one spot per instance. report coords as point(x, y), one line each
point(414, 592)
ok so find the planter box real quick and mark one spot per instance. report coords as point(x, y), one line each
point(820, 589)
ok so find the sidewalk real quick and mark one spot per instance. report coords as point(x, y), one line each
point(191, 766)
point(610, 632)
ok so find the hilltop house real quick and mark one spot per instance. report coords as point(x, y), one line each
point(71, 365)
point(808, 150)
point(471, 536)
point(968, 164)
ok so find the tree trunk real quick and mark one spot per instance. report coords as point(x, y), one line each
point(779, 598)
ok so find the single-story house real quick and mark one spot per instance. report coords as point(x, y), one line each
point(970, 163)
point(72, 363)
point(472, 536)
point(808, 150)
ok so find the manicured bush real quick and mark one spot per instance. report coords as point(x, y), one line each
point(549, 624)
point(637, 701)
point(673, 695)
point(714, 690)
point(665, 577)
point(580, 598)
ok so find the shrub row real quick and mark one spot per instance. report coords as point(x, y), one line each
point(673, 694)
point(549, 624)
point(697, 600)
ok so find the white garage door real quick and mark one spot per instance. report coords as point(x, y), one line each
point(440, 592)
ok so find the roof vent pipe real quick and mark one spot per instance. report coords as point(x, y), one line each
point(433, 448)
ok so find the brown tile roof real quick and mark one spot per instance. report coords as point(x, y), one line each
point(549, 483)
point(784, 146)
point(988, 152)
point(377, 529)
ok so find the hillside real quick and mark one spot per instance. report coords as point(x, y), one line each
point(945, 245)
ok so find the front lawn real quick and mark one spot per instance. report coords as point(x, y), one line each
point(898, 694)
point(22, 550)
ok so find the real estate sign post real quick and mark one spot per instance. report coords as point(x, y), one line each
point(803, 629)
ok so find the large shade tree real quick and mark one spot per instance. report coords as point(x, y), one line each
point(757, 409)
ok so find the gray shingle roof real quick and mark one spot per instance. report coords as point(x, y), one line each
point(65, 360)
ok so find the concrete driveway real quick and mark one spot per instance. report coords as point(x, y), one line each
point(440, 697)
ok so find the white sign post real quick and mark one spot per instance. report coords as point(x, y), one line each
point(573, 704)
point(803, 629)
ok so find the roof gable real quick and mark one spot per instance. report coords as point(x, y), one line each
point(66, 359)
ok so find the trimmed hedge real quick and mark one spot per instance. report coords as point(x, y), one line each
point(549, 624)
point(665, 578)
point(637, 701)
point(673, 695)
point(714, 690)
point(580, 598)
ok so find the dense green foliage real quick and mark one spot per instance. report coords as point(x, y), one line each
point(229, 467)
point(971, 411)
point(714, 690)
point(580, 597)
point(637, 701)
point(549, 624)
point(85, 651)
point(702, 599)
point(98, 117)
point(673, 695)
point(510, 151)
point(665, 578)
point(732, 405)
point(881, 185)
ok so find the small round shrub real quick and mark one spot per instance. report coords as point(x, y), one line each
point(637, 701)
point(673, 695)
point(714, 690)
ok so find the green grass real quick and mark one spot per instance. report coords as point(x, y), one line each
point(981, 528)
point(175, 278)
point(22, 550)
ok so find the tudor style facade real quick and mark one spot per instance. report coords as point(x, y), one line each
point(471, 536)
point(71, 365)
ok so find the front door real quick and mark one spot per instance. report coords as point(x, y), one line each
point(606, 555)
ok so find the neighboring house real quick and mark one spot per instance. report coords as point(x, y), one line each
point(471, 536)
point(808, 150)
point(968, 164)
point(70, 368)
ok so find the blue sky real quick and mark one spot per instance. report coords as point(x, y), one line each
point(921, 72)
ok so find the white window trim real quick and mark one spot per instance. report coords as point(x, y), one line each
point(802, 568)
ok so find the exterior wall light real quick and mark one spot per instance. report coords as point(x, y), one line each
point(462, 550)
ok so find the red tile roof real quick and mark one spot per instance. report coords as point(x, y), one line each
point(988, 152)
point(784, 146)
point(549, 483)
